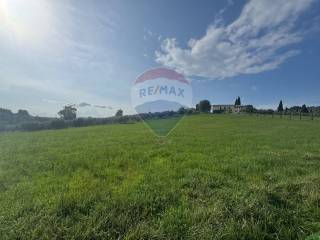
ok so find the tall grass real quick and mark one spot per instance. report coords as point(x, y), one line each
point(213, 177)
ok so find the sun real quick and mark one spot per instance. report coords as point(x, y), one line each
point(25, 20)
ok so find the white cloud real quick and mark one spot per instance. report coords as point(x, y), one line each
point(253, 43)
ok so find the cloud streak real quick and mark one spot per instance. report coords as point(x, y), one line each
point(255, 42)
point(84, 104)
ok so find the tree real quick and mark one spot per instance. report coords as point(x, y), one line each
point(197, 107)
point(304, 109)
point(204, 106)
point(182, 110)
point(68, 113)
point(6, 115)
point(238, 102)
point(280, 107)
point(119, 113)
point(249, 109)
point(22, 115)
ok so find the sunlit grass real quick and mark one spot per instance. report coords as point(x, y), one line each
point(213, 177)
point(162, 127)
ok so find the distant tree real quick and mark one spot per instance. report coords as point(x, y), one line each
point(182, 110)
point(6, 111)
point(197, 107)
point(237, 102)
point(191, 111)
point(59, 124)
point(23, 113)
point(304, 109)
point(295, 109)
point(280, 107)
point(249, 109)
point(68, 113)
point(204, 106)
point(119, 113)
point(6, 115)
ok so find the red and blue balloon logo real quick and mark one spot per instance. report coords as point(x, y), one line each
point(161, 91)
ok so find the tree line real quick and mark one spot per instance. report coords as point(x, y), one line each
point(204, 106)
point(23, 121)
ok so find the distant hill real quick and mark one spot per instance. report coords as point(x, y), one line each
point(158, 107)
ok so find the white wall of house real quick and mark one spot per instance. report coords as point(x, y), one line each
point(227, 108)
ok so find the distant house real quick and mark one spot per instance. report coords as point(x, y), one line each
point(230, 108)
point(222, 107)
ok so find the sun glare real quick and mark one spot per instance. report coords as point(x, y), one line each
point(26, 20)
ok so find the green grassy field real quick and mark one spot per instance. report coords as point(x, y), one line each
point(213, 177)
point(163, 127)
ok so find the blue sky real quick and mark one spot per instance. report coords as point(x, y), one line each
point(54, 53)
